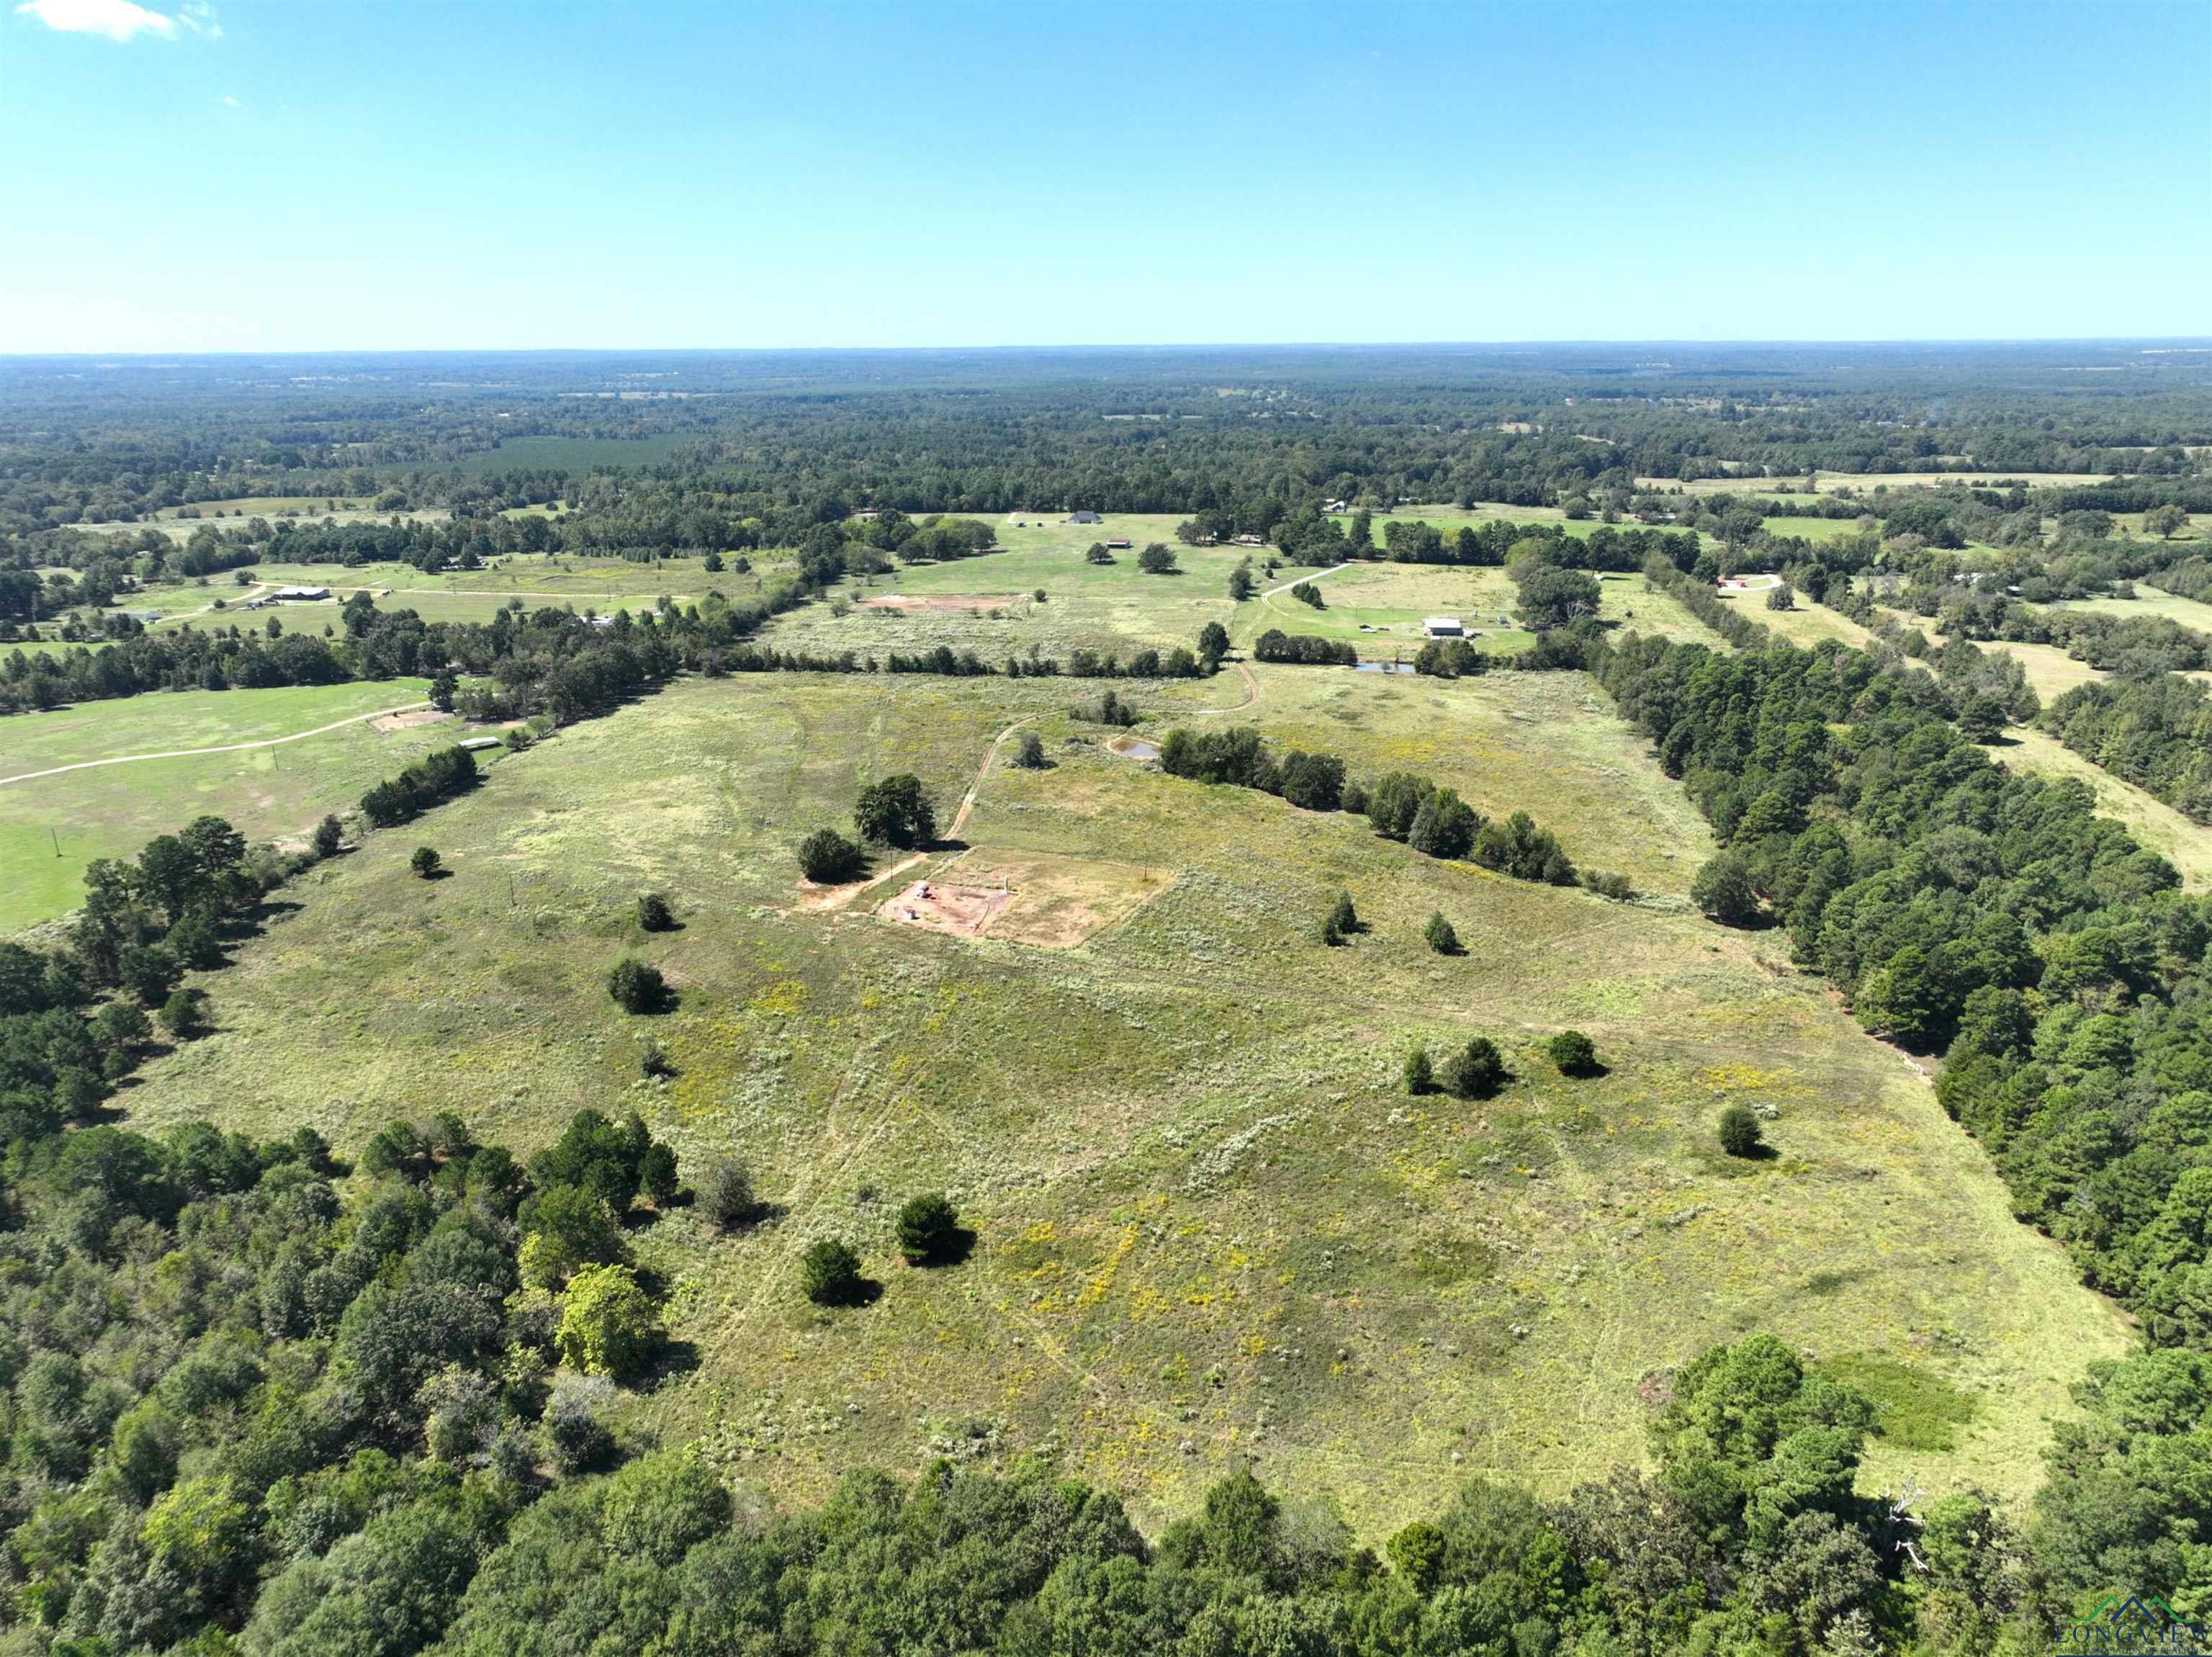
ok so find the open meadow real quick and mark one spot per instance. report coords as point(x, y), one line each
point(1210, 1224)
point(51, 826)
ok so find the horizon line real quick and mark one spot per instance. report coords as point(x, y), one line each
point(2203, 340)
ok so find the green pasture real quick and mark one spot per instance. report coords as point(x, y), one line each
point(51, 826)
point(1212, 1228)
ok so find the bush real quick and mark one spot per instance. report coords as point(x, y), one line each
point(828, 858)
point(1723, 890)
point(576, 1434)
point(653, 913)
point(1739, 1131)
point(1476, 1071)
point(1332, 933)
point(184, 1014)
point(657, 1172)
point(729, 1201)
point(1029, 753)
point(1097, 553)
point(636, 986)
point(1781, 598)
point(424, 862)
point(1346, 917)
point(928, 1230)
point(1420, 1075)
point(829, 1272)
point(610, 1326)
point(330, 835)
point(1441, 937)
point(1575, 1053)
point(1158, 558)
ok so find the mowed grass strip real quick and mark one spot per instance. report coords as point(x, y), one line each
point(1211, 1225)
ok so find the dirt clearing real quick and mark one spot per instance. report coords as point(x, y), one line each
point(407, 720)
point(1037, 898)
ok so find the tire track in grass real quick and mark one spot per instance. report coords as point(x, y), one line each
point(228, 747)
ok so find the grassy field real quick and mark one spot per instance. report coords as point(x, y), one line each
point(2051, 671)
point(2185, 844)
point(601, 584)
point(51, 826)
point(1381, 607)
point(1806, 624)
point(987, 603)
point(1210, 1224)
point(2192, 613)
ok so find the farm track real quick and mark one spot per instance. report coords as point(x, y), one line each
point(228, 747)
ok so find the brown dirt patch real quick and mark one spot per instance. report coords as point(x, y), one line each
point(822, 899)
point(408, 721)
point(965, 909)
point(1037, 899)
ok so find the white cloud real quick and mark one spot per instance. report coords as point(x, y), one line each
point(229, 102)
point(118, 20)
point(199, 17)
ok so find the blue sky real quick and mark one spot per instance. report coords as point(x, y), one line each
point(401, 173)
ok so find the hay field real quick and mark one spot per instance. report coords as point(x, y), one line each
point(1211, 1226)
point(51, 826)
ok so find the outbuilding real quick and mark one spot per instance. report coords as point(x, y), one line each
point(1086, 516)
point(1443, 627)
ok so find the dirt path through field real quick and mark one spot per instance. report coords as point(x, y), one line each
point(228, 747)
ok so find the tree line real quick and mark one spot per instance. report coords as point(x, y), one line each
point(1963, 910)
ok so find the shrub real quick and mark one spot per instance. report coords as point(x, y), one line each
point(1444, 826)
point(1476, 1071)
point(1332, 933)
point(928, 1230)
point(1346, 917)
point(330, 835)
point(657, 1172)
point(1575, 1053)
point(1029, 753)
point(828, 858)
point(653, 913)
point(829, 1272)
point(424, 862)
point(1097, 553)
point(1723, 890)
point(575, 1432)
point(729, 1201)
point(184, 1014)
point(609, 1324)
point(1607, 885)
point(1158, 558)
point(1441, 937)
point(653, 1061)
point(1306, 593)
point(1739, 1131)
point(637, 985)
point(1781, 598)
point(1420, 1075)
